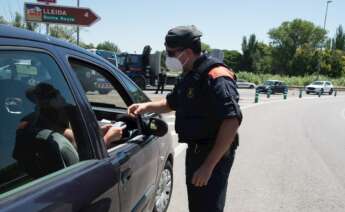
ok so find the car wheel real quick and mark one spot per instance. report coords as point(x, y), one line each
point(164, 190)
point(330, 91)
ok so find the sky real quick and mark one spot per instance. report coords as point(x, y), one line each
point(132, 24)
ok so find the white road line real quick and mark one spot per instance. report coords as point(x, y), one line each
point(181, 147)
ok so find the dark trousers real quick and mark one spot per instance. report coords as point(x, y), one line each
point(210, 198)
point(160, 86)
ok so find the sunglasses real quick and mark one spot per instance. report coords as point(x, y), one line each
point(171, 53)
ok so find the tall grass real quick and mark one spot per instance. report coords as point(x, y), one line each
point(290, 81)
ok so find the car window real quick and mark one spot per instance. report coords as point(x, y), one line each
point(38, 119)
point(134, 91)
point(97, 87)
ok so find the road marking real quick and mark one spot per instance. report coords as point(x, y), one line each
point(181, 147)
point(342, 114)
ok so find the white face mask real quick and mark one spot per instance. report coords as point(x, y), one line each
point(172, 63)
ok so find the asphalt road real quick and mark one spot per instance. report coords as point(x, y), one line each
point(291, 156)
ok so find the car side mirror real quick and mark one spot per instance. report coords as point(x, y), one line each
point(156, 127)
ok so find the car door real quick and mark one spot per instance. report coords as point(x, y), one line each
point(138, 172)
point(49, 156)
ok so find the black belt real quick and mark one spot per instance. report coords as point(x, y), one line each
point(198, 147)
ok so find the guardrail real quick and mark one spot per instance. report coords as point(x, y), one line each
point(302, 87)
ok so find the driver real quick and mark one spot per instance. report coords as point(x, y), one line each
point(52, 116)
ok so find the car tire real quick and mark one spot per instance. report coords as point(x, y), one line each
point(330, 91)
point(164, 189)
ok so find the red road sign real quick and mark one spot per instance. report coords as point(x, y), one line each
point(47, 1)
point(59, 14)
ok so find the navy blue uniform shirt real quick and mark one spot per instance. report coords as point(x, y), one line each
point(202, 105)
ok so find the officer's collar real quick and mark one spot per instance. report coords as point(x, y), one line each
point(198, 61)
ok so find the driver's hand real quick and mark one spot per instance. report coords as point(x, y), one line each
point(135, 109)
point(111, 134)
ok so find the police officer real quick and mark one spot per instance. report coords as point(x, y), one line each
point(161, 81)
point(207, 117)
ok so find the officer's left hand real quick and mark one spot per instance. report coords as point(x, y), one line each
point(201, 176)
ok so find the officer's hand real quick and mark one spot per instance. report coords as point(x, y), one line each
point(201, 176)
point(135, 109)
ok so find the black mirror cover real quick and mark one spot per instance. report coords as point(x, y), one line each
point(157, 127)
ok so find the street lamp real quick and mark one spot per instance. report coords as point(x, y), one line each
point(324, 23)
point(324, 27)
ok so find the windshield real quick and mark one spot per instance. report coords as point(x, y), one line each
point(317, 83)
point(269, 83)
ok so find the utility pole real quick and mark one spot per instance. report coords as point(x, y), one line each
point(78, 26)
point(324, 27)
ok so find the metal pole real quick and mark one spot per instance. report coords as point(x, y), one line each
point(324, 27)
point(47, 25)
point(324, 23)
point(78, 26)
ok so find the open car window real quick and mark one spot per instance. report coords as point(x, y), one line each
point(98, 89)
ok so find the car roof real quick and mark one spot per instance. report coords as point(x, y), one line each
point(274, 80)
point(7, 31)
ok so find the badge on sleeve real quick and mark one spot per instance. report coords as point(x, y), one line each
point(190, 93)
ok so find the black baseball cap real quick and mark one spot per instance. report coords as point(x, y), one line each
point(182, 36)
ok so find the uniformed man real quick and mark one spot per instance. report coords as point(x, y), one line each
point(161, 81)
point(207, 117)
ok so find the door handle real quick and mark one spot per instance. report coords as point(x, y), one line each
point(126, 175)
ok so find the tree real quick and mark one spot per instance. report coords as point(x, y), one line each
point(18, 21)
point(338, 42)
point(2, 20)
point(333, 63)
point(63, 32)
point(232, 59)
point(109, 46)
point(87, 46)
point(289, 37)
point(262, 58)
point(205, 47)
point(249, 49)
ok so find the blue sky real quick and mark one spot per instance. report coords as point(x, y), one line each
point(132, 24)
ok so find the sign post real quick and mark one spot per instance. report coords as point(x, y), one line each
point(59, 14)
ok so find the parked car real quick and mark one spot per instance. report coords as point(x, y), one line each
point(320, 87)
point(53, 157)
point(275, 86)
point(244, 84)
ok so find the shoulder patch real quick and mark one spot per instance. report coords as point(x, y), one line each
point(221, 72)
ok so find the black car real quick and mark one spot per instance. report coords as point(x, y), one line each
point(53, 156)
point(275, 86)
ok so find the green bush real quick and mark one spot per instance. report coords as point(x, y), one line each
point(290, 81)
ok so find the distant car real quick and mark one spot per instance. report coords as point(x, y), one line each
point(244, 84)
point(320, 86)
point(275, 86)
